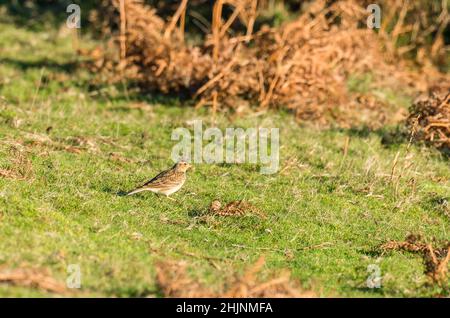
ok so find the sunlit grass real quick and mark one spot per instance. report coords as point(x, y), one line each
point(78, 149)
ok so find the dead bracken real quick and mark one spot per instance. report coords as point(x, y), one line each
point(235, 208)
point(174, 281)
point(435, 259)
point(431, 118)
point(302, 65)
point(32, 277)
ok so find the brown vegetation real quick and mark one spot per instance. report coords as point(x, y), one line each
point(234, 208)
point(435, 259)
point(174, 281)
point(32, 277)
point(20, 168)
point(431, 118)
point(303, 65)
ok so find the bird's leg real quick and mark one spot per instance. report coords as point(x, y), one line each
point(170, 198)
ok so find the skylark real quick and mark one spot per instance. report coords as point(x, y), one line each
point(167, 182)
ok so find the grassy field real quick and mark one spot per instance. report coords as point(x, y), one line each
point(68, 148)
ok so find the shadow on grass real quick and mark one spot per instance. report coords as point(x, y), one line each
point(437, 203)
point(68, 67)
point(391, 137)
point(132, 92)
point(37, 14)
point(371, 291)
point(373, 253)
point(195, 213)
point(111, 191)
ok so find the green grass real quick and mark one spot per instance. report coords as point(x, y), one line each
point(330, 211)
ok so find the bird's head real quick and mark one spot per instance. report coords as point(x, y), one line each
point(182, 166)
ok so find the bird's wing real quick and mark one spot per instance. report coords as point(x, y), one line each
point(164, 179)
point(159, 176)
point(154, 180)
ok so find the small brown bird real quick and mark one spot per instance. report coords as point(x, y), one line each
point(167, 182)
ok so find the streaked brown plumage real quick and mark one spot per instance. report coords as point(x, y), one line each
point(166, 182)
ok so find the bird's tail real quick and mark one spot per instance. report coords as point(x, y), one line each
point(136, 191)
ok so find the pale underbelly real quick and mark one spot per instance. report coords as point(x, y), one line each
point(168, 191)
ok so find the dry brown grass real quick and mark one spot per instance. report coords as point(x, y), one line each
point(72, 144)
point(235, 208)
point(435, 259)
point(417, 29)
point(21, 167)
point(302, 66)
point(174, 281)
point(32, 277)
point(155, 52)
